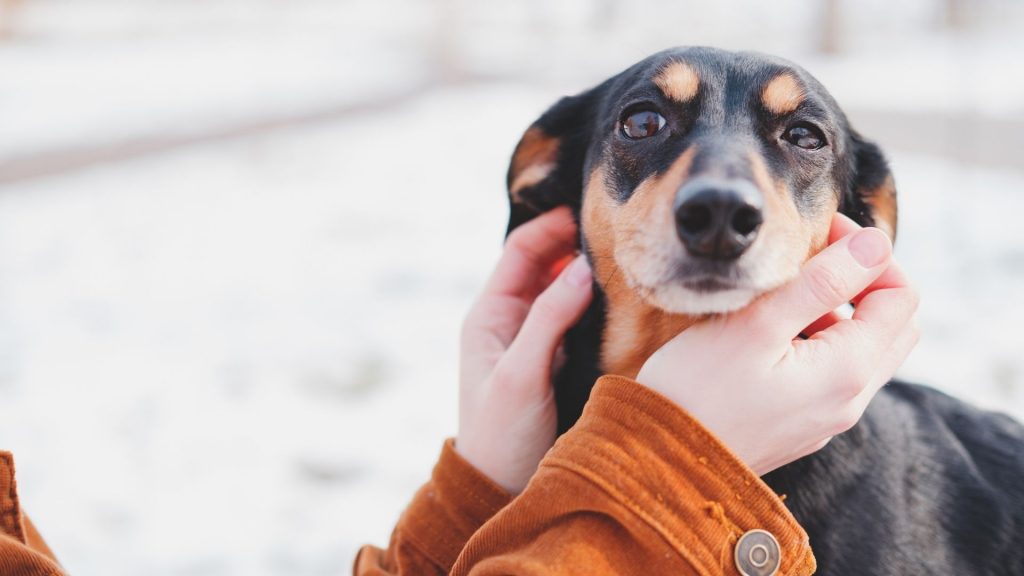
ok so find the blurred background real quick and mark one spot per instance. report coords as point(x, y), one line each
point(237, 237)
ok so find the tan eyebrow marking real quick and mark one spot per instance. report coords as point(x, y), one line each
point(783, 94)
point(678, 81)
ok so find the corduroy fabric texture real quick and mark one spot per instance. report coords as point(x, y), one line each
point(636, 487)
point(443, 515)
point(22, 550)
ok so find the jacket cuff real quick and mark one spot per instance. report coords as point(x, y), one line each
point(11, 520)
point(654, 458)
point(450, 508)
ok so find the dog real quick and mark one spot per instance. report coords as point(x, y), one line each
point(702, 178)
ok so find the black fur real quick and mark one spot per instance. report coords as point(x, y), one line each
point(924, 483)
point(869, 170)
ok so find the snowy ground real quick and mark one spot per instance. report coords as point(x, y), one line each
point(238, 356)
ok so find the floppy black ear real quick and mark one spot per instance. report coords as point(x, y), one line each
point(871, 197)
point(547, 166)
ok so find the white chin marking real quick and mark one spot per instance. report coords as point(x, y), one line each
point(680, 300)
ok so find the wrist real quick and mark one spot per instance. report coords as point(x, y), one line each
point(650, 377)
point(477, 458)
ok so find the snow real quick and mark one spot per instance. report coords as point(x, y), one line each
point(238, 356)
point(237, 340)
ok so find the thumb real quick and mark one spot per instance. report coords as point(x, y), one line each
point(830, 279)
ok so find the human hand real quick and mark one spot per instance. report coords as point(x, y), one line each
point(510, 340)
point(773, 398)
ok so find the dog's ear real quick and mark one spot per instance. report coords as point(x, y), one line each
point(547, 165)
point(871, 197)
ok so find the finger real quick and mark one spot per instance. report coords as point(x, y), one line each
point(822, 323)
point(895, 355)
point(556, 268)
point(552, 314)
point(885, 371)
point(870, 346)
point(893, 277)
point(842, 226)
point(889, 302)
point(882, 316)
point(830, 279)
point(530, 253)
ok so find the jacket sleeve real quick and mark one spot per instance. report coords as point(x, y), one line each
point(637, 486)
point(435, 527)
point(22, 550)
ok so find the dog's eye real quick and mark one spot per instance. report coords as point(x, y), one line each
point(804, 136)
point(643, 124)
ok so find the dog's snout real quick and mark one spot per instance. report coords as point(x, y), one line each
point(718, 219)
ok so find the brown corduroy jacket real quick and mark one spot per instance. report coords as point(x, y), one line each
point(22, 550)
point(636, 487)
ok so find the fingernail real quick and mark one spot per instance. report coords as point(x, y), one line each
point(578, 273)
point(870, 247)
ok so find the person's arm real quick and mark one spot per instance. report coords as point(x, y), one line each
point(22, 550)
point(638, 485)
point(507, 415)
point(435, 527)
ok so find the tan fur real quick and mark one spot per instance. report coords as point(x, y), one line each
point(634, 328)
point(782, 222)
point(534, 159)
point(882, 201)
point(784, 228)
point(678, 81)
point(530, 176)
point(783, 94)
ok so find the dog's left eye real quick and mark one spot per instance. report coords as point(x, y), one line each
point(643, 124)
point(804, 136)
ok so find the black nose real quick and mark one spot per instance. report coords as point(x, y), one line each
point(718, 218)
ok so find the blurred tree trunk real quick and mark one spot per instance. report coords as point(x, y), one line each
point(831, 27)
point(605, 14)
point(955, 15)
point(444, 41)
point(7, 10)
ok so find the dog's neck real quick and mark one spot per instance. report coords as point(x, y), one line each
point(616, 335)
point(634, 329)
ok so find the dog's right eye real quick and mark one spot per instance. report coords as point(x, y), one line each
point(642, 124)
point(805, 136)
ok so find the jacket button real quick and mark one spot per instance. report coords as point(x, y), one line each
point(757, 554)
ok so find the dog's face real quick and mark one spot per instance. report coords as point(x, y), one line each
point(702, 178)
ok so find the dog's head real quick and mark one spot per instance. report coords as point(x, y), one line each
point(701, 178)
